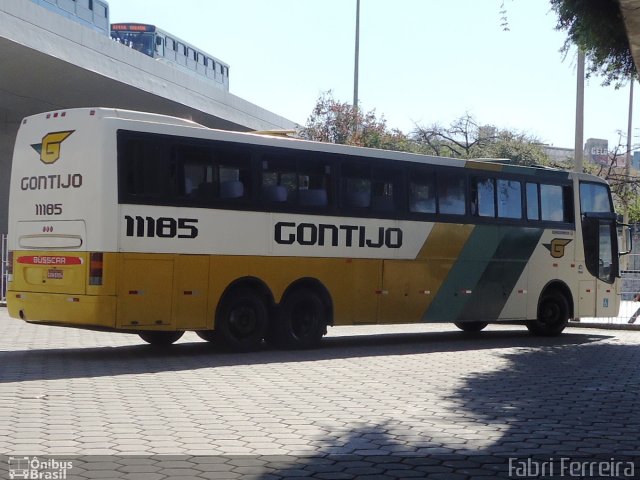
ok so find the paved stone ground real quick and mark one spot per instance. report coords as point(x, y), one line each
point(423, 401)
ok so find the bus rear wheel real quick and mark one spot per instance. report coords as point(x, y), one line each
point(160, 339)
point(242, 320)
point(553, 315)
point(471, 327)
point(302, 320)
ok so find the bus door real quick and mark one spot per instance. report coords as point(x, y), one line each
point(600, 240)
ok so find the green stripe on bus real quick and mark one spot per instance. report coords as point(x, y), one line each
point(485, 273)
point(502, 273)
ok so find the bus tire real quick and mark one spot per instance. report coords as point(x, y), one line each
point(160, 339)
point(553, 315)
point(471, 327)
point(207, 335)
point(301, 320)
point(242, 320)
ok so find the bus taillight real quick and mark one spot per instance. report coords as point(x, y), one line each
point(95, 268)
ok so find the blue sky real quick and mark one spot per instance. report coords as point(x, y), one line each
point(421, 61)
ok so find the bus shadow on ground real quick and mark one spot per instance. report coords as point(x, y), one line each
point(61, 363)
point(574, 408)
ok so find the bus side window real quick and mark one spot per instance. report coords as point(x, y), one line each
point(355, 185)
point(160, 46)
point(385, 190)
point(279, 180)
point(552, 203)
point(196, 175)
point(313, 184)
point(451, 194)
point(533, 202)
point(233, 174)
point(483, 198)
point(149, 173)
point(509, 199)
point(422, 192)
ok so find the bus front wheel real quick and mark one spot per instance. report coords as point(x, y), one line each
point(553, 315)
point(160, 339)
point(302, 320)
point(471, 327)
point(242, 320)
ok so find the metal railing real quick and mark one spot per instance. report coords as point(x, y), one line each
point(4, 253)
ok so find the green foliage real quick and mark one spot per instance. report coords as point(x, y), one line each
point(337, 122)
point(634, 210)
point(597, 28)
point(517, 147)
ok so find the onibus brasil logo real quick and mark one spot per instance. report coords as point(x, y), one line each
point(49, 149)
point(33, 468)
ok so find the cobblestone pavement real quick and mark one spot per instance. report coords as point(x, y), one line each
point(423, 401)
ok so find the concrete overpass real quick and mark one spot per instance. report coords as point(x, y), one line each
point(49, 62)
point(631, 15)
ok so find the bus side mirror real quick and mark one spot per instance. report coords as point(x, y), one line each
point(626, 230)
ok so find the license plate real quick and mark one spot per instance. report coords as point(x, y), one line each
point(53, 274)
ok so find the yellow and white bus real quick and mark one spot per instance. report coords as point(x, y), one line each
point(143, 223)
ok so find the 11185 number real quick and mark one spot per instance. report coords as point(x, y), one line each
point(162, 227)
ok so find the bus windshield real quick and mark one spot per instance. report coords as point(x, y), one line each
point(140, 41)
point(594, 198)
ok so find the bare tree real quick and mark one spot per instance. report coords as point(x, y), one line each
point(625, 188)
point(466, 138)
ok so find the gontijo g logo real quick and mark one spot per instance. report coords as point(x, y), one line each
point(49, 149)
point(556, 247)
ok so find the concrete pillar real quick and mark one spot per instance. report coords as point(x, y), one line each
point(8, 130)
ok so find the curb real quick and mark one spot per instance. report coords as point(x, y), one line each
point(606, 326)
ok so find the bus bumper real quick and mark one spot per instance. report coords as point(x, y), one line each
point(63, 309)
